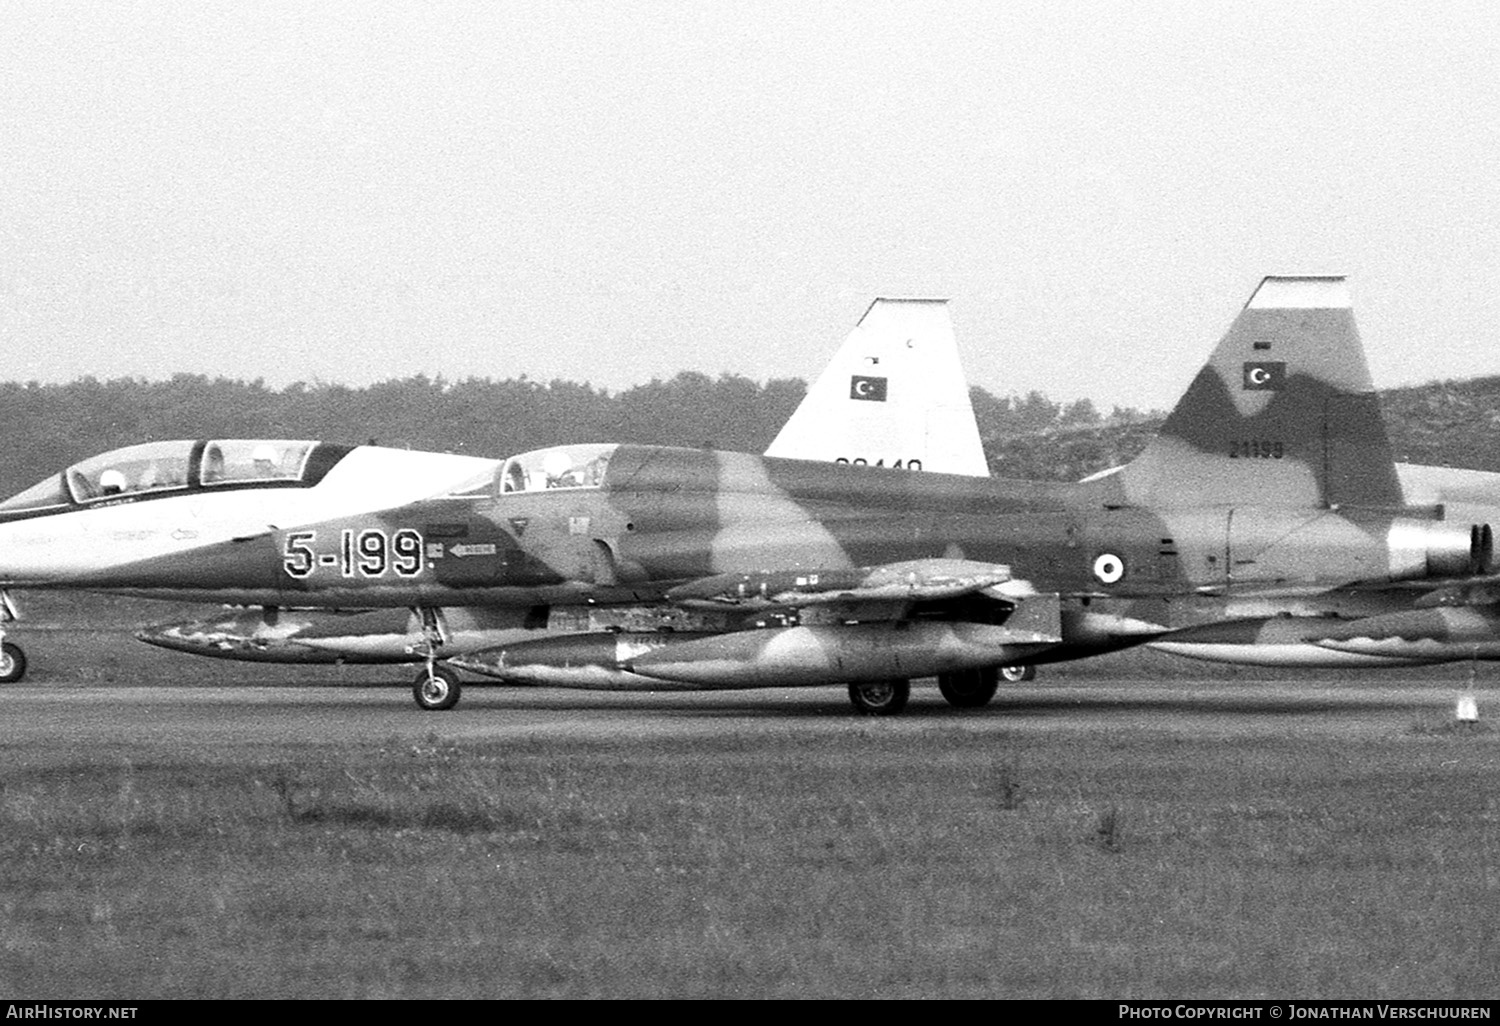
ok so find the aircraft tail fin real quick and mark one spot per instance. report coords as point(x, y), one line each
point(1283, 413)
point(894, 396)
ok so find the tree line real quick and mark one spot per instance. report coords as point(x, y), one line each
point(49, 426)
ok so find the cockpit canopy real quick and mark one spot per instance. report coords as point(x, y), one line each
point(541, 470)
point(156, 467)
point(562, 466)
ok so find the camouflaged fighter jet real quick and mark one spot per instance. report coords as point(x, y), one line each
point(894, 395)
point(1454, 622)
point(1416, 622)
point(1270, 491)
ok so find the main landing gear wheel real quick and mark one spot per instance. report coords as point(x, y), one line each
point(12, 663)
point(436, 689)
point(969, 689)
point(1016, 674)
point(880, 697)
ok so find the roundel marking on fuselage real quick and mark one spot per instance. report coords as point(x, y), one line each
point(1109, 568)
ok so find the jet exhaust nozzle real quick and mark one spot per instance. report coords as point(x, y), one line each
point(1425, 548)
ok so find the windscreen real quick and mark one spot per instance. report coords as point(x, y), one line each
point(564, 466)
point(152, 467)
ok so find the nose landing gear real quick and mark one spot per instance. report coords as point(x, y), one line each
point(12, 657)
point(12, 662)
point(436, 687)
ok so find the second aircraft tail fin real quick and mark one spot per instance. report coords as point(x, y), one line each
point(1283, 413)
point(894, 395)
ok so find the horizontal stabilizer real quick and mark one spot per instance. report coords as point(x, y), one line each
point(1410, 637)
point(1480, 591)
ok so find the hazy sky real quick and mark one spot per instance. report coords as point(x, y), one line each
point(611, 191)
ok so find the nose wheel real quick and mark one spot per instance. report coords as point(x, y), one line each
point(436, 688)
point(12, 663)
point(12, 659)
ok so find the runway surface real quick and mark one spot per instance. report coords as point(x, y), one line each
point(80, 717)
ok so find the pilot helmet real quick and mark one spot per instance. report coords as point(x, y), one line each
point(111, 482)
point(264, 453)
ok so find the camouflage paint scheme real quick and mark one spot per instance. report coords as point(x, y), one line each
point(1270, 498)
point(908, 407)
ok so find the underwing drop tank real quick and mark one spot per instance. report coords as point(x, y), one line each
point(595, 660)
point(834, 654)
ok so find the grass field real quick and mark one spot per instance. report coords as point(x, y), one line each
point(947, 856)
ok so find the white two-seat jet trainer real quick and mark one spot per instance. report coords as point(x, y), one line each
point(159, 499)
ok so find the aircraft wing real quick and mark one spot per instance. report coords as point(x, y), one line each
point(922, 580)
point(898, 620)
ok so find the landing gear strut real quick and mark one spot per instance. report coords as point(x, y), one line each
point(880, 697)
point(436, 687)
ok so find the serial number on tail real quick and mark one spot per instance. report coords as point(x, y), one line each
point(367, 553)
point(1257, 449)
point(860, 461)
